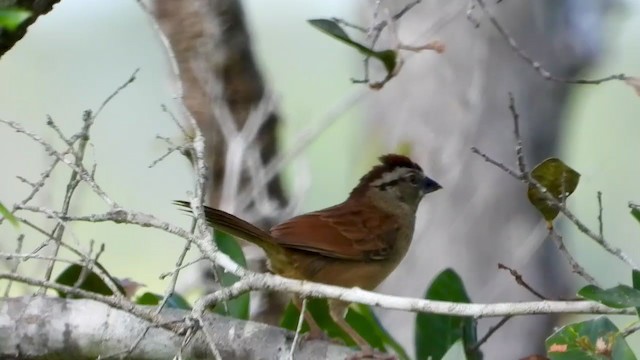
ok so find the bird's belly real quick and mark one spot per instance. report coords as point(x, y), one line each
point(366, 275)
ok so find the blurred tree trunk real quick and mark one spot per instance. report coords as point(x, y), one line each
point(445, 104)
point(217, 67)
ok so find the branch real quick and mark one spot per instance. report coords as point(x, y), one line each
point(534, 64)
point(575, 266)
point(96, 330)
point(258, 281)
point(524, 176)
point(255, 281)
point(520, 281)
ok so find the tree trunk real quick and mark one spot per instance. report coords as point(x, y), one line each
point(218, 70)
point(445, 104)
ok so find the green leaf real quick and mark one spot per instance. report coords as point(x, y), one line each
point(289, 319)
point(333, 29)
point(238, 307)
point(360, 317)
point(620, 297)
point(319, 309)
point(635, 212)
point(435, 334)
point(8, 215)
point(92, 282)
point(11, 18)
point(455, 352)
point(174, 301)
point(558, 178)
point(381, 332)
point(635, 281)
point(596, 339)
point(470, 339)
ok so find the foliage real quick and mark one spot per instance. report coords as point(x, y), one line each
point(558, 179)
point(238, 307)
point(435, 334)
point(12, 17)
point(174, 301)
point(88, 280)
point(333, 29)
point(596, 339)
point(8, 215)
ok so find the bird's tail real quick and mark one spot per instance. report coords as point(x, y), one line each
point(237, 227)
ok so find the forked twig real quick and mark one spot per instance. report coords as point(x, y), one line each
point(534, 64)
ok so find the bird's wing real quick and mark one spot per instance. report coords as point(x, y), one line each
point(350, 231)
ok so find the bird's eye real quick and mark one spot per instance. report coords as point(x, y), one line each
point(413, 179)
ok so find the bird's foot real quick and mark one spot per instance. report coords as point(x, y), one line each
point(370, 354)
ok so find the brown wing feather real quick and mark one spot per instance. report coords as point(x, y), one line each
point(346, 231)
point(233, 225)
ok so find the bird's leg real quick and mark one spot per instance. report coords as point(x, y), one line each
point(315, 333)
point(337, 310)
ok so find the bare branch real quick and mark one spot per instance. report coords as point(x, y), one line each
point(600, 223)
point(534, 64)
point(526, 178)
point(522, 167)
point(492, 330)
point(516, 275)
point(14, 268)
point(575, 267)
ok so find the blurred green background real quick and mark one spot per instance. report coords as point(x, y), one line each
point(59, 70)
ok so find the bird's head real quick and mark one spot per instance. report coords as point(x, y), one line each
point(397, 180)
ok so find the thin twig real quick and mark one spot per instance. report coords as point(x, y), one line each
point(209, 338)
point(526, 178)
point(520, 281)
point(175, 119)
point(183, 266)
point(123, 86)
point(575, 266)
point(496, 163)
point(61, 135)
point(101, 271)
point(14, 268)
point(522, 167)
point(600, 222)
point(534, 64)
point(470, 17)
point(630, 330)
point(489, 333)
point(83, 173)
point(296, 338)
point(36, 187)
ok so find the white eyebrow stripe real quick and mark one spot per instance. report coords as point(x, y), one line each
point(394, 175)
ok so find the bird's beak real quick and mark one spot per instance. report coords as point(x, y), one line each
point(429, 185)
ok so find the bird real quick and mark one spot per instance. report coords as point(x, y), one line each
point(356, 243)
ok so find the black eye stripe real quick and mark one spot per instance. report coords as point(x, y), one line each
point(408, 178)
